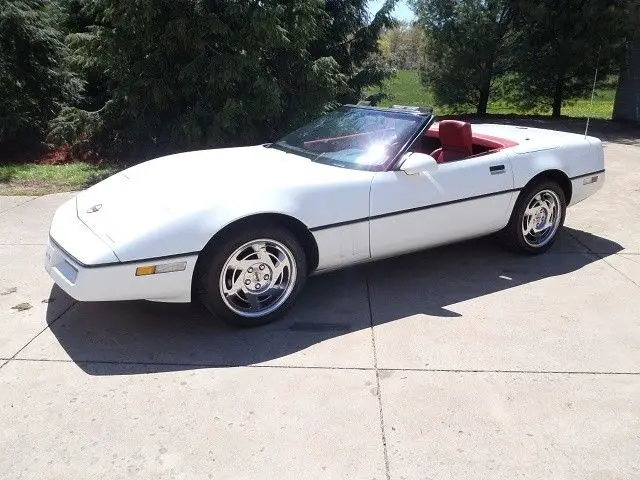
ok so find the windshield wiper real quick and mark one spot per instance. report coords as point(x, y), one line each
point(294, 150)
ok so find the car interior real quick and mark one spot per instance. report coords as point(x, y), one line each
point(451, 140)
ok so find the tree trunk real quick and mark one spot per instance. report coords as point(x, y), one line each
point(557, 97)
point(627, 103)
point(483, 101)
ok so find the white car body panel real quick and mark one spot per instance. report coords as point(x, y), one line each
point(176, 204)
point(167, 210)
point(454, 201)
point(342, 245)
point(87, 247)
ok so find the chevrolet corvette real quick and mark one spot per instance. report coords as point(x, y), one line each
point(240, 229)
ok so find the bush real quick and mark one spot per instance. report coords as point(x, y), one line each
point(192, 74)
point(34, 82)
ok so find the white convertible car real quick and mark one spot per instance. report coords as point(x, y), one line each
point(240, 229)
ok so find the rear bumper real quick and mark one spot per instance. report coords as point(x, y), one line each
point(586, 185)
point(88, 270)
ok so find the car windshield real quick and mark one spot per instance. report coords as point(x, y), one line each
point(353, 137)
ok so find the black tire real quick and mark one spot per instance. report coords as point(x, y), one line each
point(513, 235)
point(211, 265)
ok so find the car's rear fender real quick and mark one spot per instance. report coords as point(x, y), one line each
point(569, 165)
point(576, 158)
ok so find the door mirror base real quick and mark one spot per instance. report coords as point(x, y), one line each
point(414, 163)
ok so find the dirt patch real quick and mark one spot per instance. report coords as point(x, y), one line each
point(56, 157)
point(41, 154)
point(34, 188)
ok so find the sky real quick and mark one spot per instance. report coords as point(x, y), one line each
point(401, 12)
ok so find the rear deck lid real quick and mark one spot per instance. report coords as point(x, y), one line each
point(529, 139)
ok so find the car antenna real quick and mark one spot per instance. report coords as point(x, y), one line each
point(593, 93)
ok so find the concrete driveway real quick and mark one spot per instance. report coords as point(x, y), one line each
point(461, 362)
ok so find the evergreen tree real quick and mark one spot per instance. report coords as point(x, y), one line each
point(77, 18)
point(186, 74)
point(560, 42)
point(469, 43)
point(351, 39)
point(34, 81)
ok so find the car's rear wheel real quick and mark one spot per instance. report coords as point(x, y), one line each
point(252, 275)
point(537, 217)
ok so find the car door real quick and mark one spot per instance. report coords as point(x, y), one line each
point(449, 202)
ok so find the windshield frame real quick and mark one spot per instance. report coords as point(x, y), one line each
point(426, 120)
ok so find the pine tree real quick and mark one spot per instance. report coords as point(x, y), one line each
point(560, 44)
point(200, 73)
point(34, 81)
point(468, 46)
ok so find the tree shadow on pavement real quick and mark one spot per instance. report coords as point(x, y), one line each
point(144, 337)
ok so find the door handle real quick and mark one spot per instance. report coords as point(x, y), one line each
point(497, 169)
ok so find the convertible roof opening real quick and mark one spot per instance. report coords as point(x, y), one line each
point(451, 140)
point(480, 139)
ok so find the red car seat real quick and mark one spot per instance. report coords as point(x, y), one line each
point(456, 141)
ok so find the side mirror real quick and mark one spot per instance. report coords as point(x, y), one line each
point(414, 163)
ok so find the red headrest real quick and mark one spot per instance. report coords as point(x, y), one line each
point(456, 135)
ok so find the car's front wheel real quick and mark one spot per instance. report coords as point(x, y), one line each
point(537, 217)
point(252, 276)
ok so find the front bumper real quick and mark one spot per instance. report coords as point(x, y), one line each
point(88, 270)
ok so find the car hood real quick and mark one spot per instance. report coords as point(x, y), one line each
point(140, 200)
point(192, 176)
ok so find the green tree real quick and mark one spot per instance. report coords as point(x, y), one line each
point(560, 42)
point(404, 46)
point(77, 18)
point(185, 74)
point(351, 38)
point(469, 45)
point(34, 80)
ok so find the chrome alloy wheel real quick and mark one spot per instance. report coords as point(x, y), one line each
point(258, 278)
point(541, 218)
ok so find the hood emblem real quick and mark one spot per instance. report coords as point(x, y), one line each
point(95, 208)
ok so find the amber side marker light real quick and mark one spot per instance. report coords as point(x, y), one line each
point(587, 181)
point(162, 268)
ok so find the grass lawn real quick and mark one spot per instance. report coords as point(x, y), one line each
point(35, 179)
point(405, 89)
